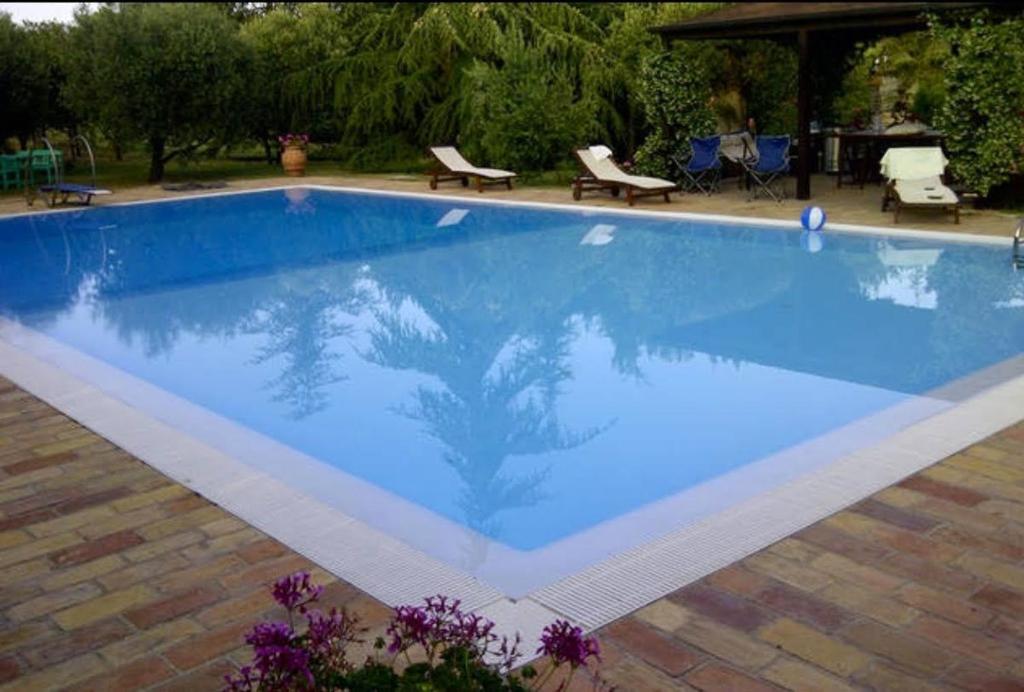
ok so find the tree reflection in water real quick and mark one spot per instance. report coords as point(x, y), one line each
point(497, 401)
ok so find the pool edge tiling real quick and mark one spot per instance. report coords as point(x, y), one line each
point(395, 573)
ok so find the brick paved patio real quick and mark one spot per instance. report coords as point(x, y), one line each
point(114, 577)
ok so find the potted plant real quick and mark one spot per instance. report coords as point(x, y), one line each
point(293, 153)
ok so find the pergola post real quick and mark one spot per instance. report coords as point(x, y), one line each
point(803, 109)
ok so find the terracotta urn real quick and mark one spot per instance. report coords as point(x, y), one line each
point(293, 160)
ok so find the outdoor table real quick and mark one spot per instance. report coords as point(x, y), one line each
point(876, 144)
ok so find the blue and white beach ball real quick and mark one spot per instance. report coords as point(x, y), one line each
point(812, 241)
point(812, 218)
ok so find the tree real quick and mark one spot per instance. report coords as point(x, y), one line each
point(170, 74)
point(675, 89)
point(23, 88)
point(982, 114)
point(288, 45)
point(408, 76)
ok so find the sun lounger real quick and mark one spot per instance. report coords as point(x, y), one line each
point(452, 166)
point(914, 175)
point(84, 193)
point(601, 173)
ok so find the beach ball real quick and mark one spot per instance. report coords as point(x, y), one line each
point(812, 218)
point(812, 241)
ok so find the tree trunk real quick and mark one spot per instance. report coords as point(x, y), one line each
point(118, 150)
point(267, 152)
point(156, 161)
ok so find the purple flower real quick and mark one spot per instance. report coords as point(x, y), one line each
point(565, 643)
point(243, 682)
point(277, 655)
point(329, 634)
point(291, 139)
point(296, 591)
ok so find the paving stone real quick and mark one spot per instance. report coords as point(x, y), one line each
point(248, 608)
point(728, 644)
point(842, 543)
point(722, 607)
point(69, 644)
point(9, 539)
point(142, 571)
point(209, 677)
point(192, 575)
point(134, 676)
point(815, 647)
point(664, 614)
point(862, 575)
point(204, 647)
point(90, 550)
point(793, 549)
point(1001, 598)
point(913, 568)
point(53, 601)
point(58, 676)
point(261, 550)
point(12, 638)
point(172, 607)
point(800, 576)
point(38, 548)
point(715, 676)
point(907, 651)
point(39, 462)
point(1002, 572)
point(150, 641)
point(9, 668)
point(801, 677)
point(1012, 548)
point(163, 493)
point(911, 521)
point(944, 491)
point(816, 611)
point(884, 677)
point(152, 548)
point(978, 646)
point(738, 580)
point(636, 677)
point(644, 642)
point(103, 606)
point(944, 604)
point(973, 677)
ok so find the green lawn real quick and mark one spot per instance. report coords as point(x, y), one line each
point(134, 169)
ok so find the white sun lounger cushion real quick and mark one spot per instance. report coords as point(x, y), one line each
point(455, 162)
point(913, 163)
point(606, 170)
point(925, 191)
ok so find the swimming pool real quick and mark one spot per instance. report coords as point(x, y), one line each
point(518, 392)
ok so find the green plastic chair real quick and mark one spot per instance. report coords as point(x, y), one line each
point(10, 171)
point(42, 163)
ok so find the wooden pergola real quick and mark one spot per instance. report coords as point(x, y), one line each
point(808, 25)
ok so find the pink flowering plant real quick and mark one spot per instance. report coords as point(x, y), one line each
point(434, 646)
point(293, 140)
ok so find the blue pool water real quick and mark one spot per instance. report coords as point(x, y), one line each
point(525, 373)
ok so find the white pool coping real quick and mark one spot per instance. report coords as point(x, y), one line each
point(169, 438)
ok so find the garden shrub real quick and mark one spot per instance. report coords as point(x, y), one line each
point(675, 90)
point(433, 647)
point(524, 114)
point(983, 114)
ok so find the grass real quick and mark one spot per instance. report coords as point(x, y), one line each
point(133, 171)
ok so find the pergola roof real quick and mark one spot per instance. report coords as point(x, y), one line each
point(769, 19)
point(824, 22)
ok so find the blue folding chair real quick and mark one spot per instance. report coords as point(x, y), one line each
point(770, 166)
point(703, 169)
